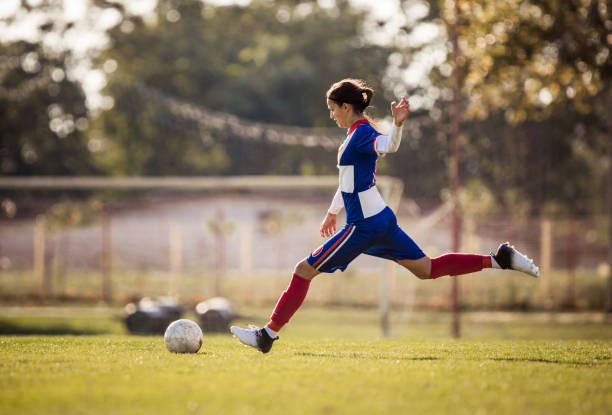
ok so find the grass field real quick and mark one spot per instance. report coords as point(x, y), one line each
point(328, 361)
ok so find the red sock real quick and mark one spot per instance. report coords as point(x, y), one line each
point(289, 302)
point(457, 264)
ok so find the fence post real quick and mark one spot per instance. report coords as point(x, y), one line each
point(572, 260)
point(546, 260)
point(106, 260)
point(246, 248)
point(39, 255)
point(220, 252)
point(176, 259)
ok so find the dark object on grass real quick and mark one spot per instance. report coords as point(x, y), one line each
point(151, 316)
point(215, 314)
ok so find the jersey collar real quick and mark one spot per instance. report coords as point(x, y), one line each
point(356, 124)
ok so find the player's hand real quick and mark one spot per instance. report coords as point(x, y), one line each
point(400, 111)
point(328, 226)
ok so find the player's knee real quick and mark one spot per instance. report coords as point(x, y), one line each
point(305, 270)
point(421, 275)
point(420, 268)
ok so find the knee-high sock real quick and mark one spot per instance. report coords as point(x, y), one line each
point(289, 302)
point(457, 264)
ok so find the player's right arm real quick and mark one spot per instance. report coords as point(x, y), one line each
point(390, 144)
point(328, 226)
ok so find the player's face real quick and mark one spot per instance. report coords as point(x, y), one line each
point(339, 113)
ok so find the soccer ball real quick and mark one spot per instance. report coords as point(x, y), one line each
point(183, 336)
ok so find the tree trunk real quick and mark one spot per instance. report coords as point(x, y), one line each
point(609, 307)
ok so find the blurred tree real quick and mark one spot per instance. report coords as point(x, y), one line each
point(417, 41)
point(552, 166)
point(530, 57)
point(546, 66)
point(537, 90)
point(270, 61)
point(42, 114)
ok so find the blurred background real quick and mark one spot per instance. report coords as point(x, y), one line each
point(196, 96)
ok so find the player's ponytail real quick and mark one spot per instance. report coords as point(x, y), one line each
point(367, 94)
point(351, 91)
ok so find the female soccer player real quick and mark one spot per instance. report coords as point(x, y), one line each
point(371, 226)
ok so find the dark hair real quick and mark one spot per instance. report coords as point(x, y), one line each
point(351, 91)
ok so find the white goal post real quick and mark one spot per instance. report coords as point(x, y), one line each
point(391, 189)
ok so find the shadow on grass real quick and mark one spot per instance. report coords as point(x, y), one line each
point(363, 356)
point(540, 360)
point(10, 328)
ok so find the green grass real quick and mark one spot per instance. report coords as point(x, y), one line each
point(328, 361)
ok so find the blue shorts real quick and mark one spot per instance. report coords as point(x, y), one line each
point(378, 235)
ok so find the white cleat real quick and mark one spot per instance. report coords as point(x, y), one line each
point(509, 258)
point(254, 337)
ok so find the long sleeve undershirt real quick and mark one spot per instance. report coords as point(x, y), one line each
point(337, 203)
point(389, 143)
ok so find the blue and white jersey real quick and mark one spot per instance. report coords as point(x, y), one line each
point(357, 158)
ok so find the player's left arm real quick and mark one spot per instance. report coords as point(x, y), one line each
point(390, 143)
point(328, 226)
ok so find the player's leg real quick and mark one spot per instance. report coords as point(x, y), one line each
point(421, 268)
point(336, 253)
point(447, 264)
point(292, 298)
point(398, 246)
point(289, 302)
point(507, 257)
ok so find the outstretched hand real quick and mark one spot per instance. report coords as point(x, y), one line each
point(328, 226)
point(400, 111)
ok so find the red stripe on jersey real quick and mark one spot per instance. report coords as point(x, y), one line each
point(357, 124)
point(374, 145)
point(331, 248)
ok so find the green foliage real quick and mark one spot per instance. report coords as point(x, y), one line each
point(536, 91)
point(269, 62)
point(550, 162)
point(536, 82)
point(528, 57)
point(42, 114)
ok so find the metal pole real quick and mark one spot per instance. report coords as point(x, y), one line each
point(456, 215)
point(392, 190)
point(384, 300)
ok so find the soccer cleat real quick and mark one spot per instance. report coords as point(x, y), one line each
point(509, 258)
point(254, 337)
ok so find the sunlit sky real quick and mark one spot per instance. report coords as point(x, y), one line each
point(88, 34)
